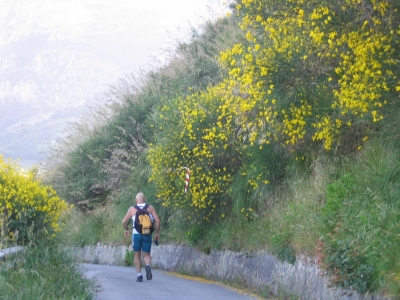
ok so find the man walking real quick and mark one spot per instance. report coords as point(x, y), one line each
point(141, 242)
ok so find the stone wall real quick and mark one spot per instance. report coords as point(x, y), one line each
point(10, 251)
point(259, 269)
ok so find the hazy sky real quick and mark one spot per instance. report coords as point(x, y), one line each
point(58, 56)
point(137, 22)
point(50, 46)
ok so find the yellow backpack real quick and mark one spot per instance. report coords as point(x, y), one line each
point(143, 222)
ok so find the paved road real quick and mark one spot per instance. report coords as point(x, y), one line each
point(118, 283)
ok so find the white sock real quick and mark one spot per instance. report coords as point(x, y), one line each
point(139, 274)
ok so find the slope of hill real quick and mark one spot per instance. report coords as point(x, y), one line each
point(286, 114)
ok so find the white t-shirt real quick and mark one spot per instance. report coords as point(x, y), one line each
point(141, 205)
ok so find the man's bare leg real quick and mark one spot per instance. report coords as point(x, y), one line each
point(137, 260)
point(147, 261)
point(147, 258)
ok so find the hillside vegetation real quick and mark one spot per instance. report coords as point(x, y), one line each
point(286, 113)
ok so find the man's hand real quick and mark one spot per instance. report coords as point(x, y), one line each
point(126, 233)
point(156, 237)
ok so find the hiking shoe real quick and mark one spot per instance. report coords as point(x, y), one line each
point(139, 278)
point(149, 276)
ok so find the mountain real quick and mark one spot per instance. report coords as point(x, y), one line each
point(27, 131)
point(45, 84)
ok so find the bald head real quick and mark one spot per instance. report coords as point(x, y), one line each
point(140, 198)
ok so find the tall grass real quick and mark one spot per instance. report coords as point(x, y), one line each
point(362, 221)
point(44, 272)
point(100, 226)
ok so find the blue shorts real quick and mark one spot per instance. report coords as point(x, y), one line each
point(141, 242)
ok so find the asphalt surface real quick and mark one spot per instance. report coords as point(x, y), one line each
point(119, 283)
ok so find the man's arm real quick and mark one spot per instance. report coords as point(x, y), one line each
point(126, 219)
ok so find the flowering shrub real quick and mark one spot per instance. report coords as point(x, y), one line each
point(307, 73)
point(27, 205)
point(314, 68)
point(198, 132)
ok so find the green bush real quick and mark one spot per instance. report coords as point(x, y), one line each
point(129, 255)
point(281, 246)
point(337, 193)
